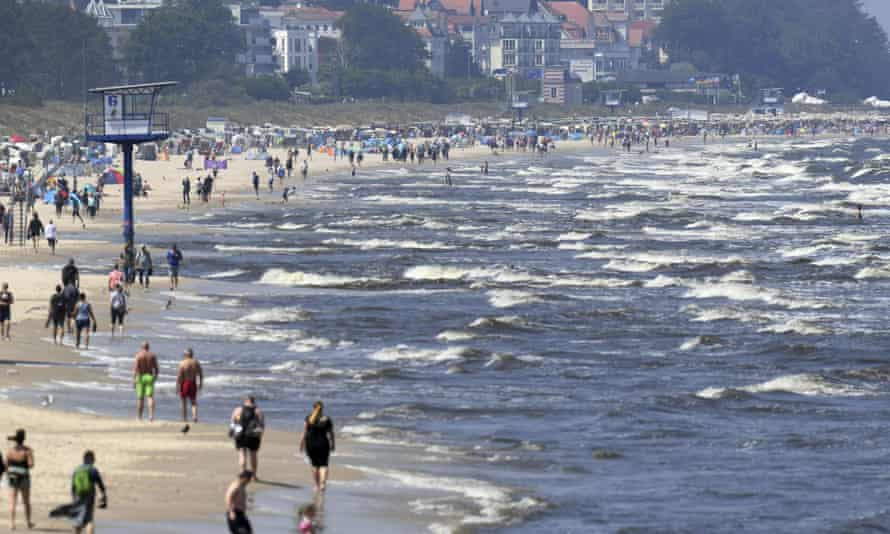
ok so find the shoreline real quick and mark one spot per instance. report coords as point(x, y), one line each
point(141, 467)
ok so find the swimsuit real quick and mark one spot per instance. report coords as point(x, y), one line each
point(188, 390)
point(145, 385)
point(239, 525)
point(18, 474)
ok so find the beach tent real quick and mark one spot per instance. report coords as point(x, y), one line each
point(112, 177)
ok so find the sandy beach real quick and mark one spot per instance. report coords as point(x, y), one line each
point(183, 477)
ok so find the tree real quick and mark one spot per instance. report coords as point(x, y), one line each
point(267, 88)
point(795, 44)
point(297, 78)
point(15, 43)
point(374, 38)
point(459, 61)
point(184, 40)
point(73, 50)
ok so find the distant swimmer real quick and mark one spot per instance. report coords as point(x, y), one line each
point(189, 381)
point(145, 374)
point(236, 504)
point(859, 213)
point(448, 181)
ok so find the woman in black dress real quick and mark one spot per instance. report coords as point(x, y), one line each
point(318, 443)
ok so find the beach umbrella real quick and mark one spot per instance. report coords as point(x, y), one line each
point(90, 188)
point(50, 197)
point(112, 176)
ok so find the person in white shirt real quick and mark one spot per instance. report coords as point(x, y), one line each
point(51, 236)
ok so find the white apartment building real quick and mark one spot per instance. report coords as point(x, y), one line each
point(296, 49)
point(635, 9)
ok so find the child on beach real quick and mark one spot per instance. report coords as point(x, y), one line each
point(307, 516)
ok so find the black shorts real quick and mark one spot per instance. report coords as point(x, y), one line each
point(5, 314)
point(251, 443)
point(82, 323)
point(59, 321)
point(117, 316)
point(239, 525)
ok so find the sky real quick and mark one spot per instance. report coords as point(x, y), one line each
point(880, 9)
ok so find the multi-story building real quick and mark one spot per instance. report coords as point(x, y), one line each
point(258, 56)
point(119, 17)
point(321, 21)
point(296, 48)
point(635, 9)
point(525, 43)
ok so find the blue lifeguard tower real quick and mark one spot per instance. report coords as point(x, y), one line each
point(127, 116)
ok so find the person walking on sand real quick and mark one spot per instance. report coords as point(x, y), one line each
point(186, 193)
point(58, 311)
point(83, 321)
point(35, 231)
point(115, 277)
point(174, 260)
point(189, 381)
point(84, 481)
point(236, 504)
point(19, 462)
point(318, 443)
point(52, 236)
point(144, 267)
point(8, 227)
point(70, 274)
point(255, 179)
point(6, 302)
point(118, 309)
point(75, 211)
point(145, 374)
point(247, 426)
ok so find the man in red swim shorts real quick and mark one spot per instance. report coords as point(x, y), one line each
point(189, 381)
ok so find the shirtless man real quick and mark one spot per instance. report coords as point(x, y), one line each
point(145, 373)
point(189, 381)
point(236, 504)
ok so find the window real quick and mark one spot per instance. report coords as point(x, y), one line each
point(539, 59)
point(539, 44)
point(553, 92)
point(509, 59)
point(509, 44)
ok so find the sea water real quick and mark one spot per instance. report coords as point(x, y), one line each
point(689, 340)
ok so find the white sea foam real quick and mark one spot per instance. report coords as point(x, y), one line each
point(507, 298)
point(370, 244)
point(226, 274)
point(281, 277)
point(291, 226)
point(277, 315)
point(454, 335)
point(409, 353)
point(309, 344)
point(573, 236)
point(794, 326)
point(800, 384)
point(873, 272)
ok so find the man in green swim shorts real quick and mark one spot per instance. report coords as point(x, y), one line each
point(145, 373)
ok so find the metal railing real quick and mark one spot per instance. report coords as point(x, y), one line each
point(149, 124)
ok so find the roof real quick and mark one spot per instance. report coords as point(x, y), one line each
point(507, 6)
point(640, 31)
point(573, 12)
point(139, 88)
point(314, 13)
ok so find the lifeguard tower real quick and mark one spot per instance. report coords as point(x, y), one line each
point(127, 116)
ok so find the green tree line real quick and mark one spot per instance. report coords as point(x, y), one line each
point(794, 44)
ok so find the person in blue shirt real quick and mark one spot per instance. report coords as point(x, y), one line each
point(174, 259)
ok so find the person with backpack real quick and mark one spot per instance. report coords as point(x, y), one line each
point(58, 312)
point(247, 426)
point(118, 309)
point(84, 319)
point(70, 274)
point(84, 481)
